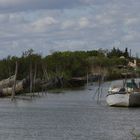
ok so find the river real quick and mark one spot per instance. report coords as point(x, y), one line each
point(71, 115)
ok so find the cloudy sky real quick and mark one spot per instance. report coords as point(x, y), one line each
point(59, 25)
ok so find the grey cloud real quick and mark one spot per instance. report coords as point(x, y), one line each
point(29, 5)
point(102, 24)
point(23, 5)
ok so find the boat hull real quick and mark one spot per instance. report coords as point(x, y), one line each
point(123, 100)
point(134, 100)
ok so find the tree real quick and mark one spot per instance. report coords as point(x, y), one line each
point(126, 54)
point(115, 53)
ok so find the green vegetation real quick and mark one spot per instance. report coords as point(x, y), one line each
point(66, 65)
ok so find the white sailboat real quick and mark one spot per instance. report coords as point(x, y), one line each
point(127, 96)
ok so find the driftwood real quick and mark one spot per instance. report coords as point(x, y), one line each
point(7, 82)
point(54, 82)
point(18, 87)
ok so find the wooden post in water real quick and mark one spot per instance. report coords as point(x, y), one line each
point(46, 78)
point(31, 79)
point(87, 79)
point(99, 84)
point(14, 86)
point(34, 79)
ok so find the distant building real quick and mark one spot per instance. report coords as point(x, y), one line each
point(133, 64)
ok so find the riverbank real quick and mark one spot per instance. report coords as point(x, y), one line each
point(66, 69)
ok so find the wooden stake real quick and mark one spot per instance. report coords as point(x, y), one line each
point(45, 76)
point(87, 79)
point(14, 86)
point(31, 79)
point(34, 79)
point(45, 72)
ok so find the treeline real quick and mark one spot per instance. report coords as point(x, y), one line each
point(64, 64)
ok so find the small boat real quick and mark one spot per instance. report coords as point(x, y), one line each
point(126, 96)
point(123, 99)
